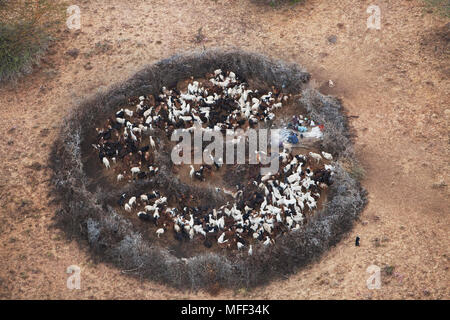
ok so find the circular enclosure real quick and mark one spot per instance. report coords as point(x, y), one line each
point(87, 210)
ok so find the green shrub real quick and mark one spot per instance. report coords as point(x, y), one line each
point(388, 270)
point(26, 28)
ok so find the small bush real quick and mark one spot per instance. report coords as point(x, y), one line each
point(357, 172)
point(354, 168)
point(26, 28)
point(388, 270)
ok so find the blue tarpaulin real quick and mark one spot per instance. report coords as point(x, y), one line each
point(293, 138)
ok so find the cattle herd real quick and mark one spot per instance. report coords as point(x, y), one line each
point(258, 210)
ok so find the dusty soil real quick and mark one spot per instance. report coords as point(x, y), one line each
point(395, 82)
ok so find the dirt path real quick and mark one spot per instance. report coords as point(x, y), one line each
point(395, 80)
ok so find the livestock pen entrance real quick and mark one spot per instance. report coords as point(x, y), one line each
point(213, 222)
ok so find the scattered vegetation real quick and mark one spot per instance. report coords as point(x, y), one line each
point(388, 270)
point(441, 7)
point(85, 212)
point(26, 28)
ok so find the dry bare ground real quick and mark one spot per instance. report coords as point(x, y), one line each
point(395, 81)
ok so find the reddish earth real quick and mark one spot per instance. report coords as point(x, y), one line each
point(395, 82)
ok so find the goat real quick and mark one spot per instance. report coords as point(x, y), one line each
point(129, 113)
point(106, 162)
point(156, 214)
point(327, 156)
point(152, 142)
point(315, 156)
point(160, 231)
point(132, 201)
point(267, 241)
point(122, 199)
point(135, 170)
point(150, 208)
point(289, 221)
point(144, 216)
point(199, 229)
point(221, 239)
point(267, 227)
point(120, 120)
